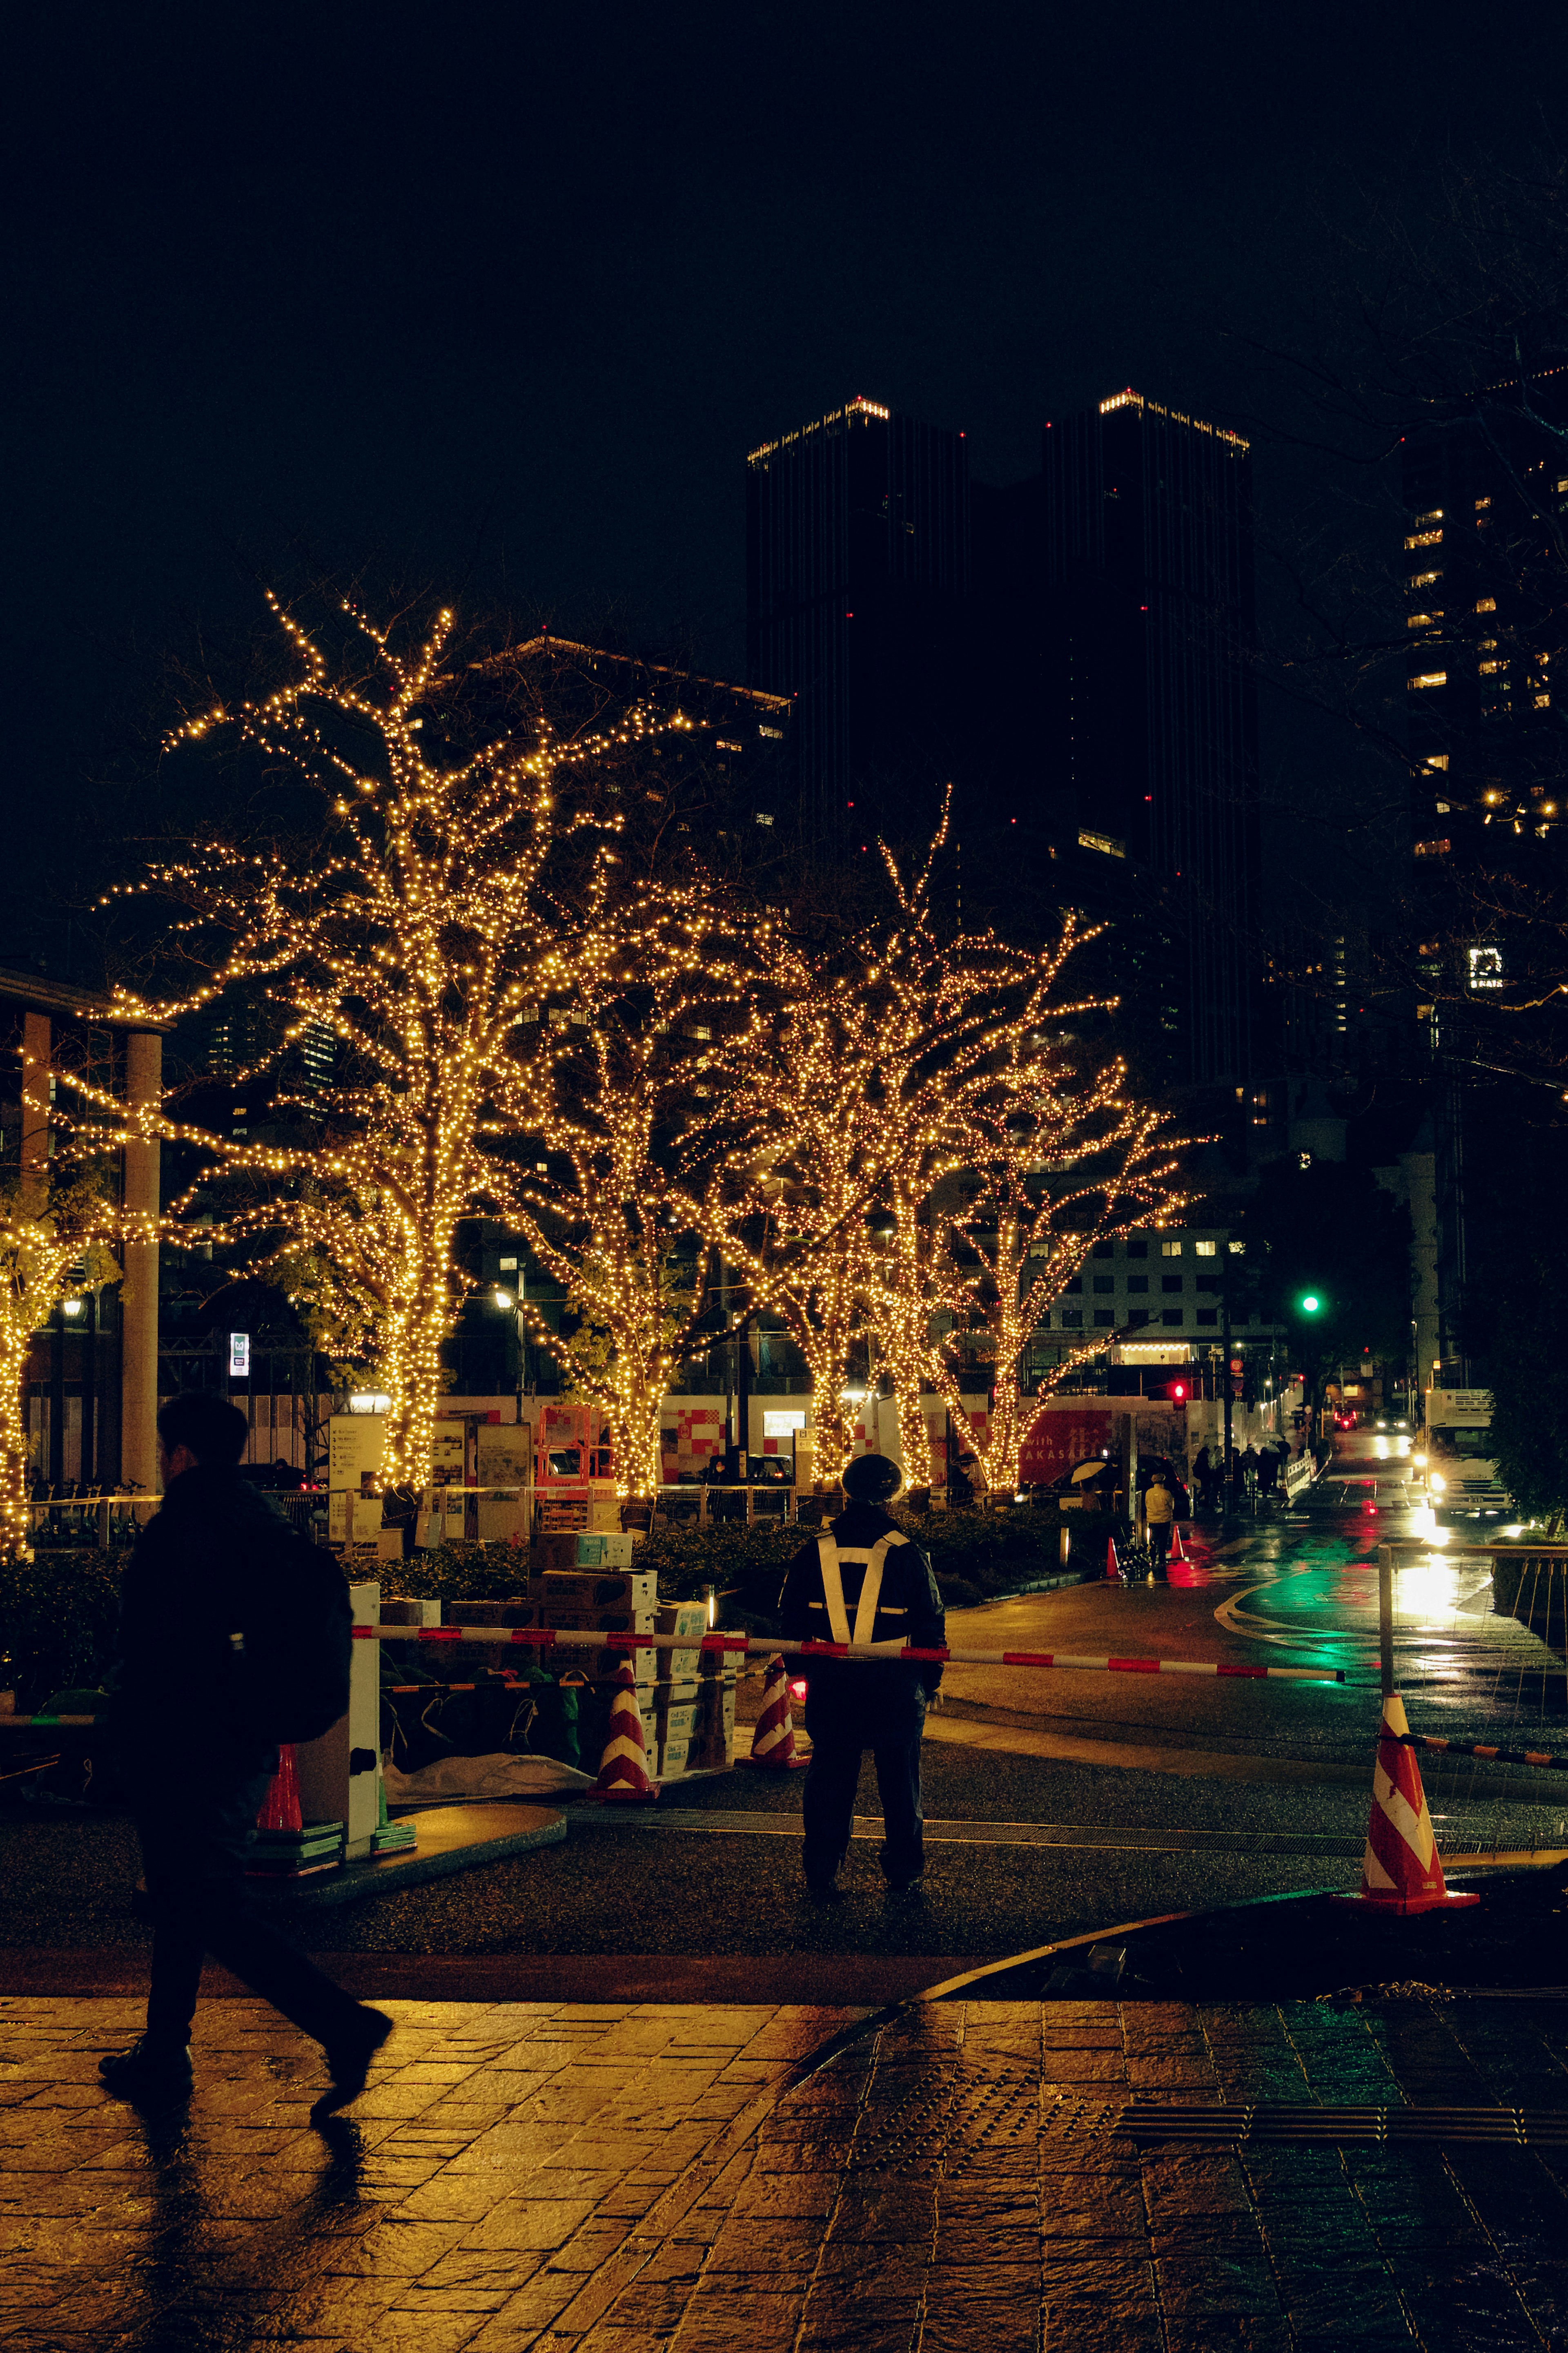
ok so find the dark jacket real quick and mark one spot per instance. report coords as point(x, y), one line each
point(908, 1607)
point(195, 1561)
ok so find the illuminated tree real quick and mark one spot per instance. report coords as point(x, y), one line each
point(434, 895)
point(601, 1093)
point(853, 1090)
point(1053, 1162)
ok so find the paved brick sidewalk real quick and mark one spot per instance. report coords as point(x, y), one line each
point(664, 2179)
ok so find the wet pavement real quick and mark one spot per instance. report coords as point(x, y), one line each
point(961, 2176)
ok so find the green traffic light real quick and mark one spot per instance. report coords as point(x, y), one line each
point(1310, 1302)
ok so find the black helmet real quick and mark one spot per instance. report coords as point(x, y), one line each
point(871, 1479)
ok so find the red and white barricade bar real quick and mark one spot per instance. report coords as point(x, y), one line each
point(762, 1646)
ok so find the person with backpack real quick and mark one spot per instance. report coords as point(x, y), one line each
point(864, 1580)
point(235, 1634)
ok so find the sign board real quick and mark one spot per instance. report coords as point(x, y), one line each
point(506, 1454)
point(1068, 1434)
point(1459, 1405)
point(240, 1355)
point(355, 1444)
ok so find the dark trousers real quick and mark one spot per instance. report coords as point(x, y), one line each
point(840, 1735)
point(193, 1856)
point(1159, 1542)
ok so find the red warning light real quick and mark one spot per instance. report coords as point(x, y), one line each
point(1178, 1390)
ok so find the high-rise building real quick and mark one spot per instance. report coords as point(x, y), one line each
point(858, 577)
point(1151, 705)
point(1485, 492)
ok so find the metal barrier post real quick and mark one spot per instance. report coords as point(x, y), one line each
point(1385, 1616)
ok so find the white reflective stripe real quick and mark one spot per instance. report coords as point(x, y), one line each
point(833, 1588)
point(829, 1557)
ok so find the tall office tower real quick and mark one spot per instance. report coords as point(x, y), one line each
point(1485, 488)
point(857, 588)
point(1150, 703)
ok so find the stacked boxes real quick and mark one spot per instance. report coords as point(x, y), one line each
point(674, 1708)
point(562, 1549)
point(713, 1742)
point(681, 1617)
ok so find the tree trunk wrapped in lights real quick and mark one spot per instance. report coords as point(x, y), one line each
point(54, 1233)
point(441, 902)
point(1052, 1164)
point(601, 1099)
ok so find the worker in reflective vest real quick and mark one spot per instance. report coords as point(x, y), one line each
point(864, 1581)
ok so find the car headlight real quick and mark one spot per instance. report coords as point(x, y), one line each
point(1419, 1461)
point(1438, 1484)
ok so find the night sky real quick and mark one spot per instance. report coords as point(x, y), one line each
point(497, 297)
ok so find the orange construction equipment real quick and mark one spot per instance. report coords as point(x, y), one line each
point(280, 1807)
point(623, 1768)
point(1400, 1871)
point(773, 1743)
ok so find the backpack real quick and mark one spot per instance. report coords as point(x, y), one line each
point(294, 1649)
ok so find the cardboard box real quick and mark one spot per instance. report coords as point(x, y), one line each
point(714, 1749)
point(681, 1617)
point(588, 1621)
point(588, 1589)
point(517, 1611)
point(674, 1756)
point(566, 1550)
point(678, 1708)
point(410, 1613)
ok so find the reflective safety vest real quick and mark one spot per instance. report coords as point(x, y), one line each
point(830, 1556)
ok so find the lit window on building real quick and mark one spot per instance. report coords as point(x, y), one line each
point(1486, 967)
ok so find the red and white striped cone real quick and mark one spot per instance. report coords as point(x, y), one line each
point(1177, 1551)
point(773, 1742)
point(280, 1806)
point(623, 1768)
point(1113, 1568)
point(1400, 1871)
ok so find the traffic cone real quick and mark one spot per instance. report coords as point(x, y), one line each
point(623, 1768)
point(1400, 1871)
point(280, 1806)
point(1112, 1566)
point(773, 1743)
point(1177, 1551)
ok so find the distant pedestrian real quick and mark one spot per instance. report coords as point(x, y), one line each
point(199, 1602)
point(1268, 1471)
point(1159, 1517)
point(964, 1483)
point(864, 1580)
point(1202, 1472)
point(1238, 1475)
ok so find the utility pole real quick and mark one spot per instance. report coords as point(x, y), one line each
point(1224, 1340)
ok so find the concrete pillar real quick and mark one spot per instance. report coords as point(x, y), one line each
point(139, 1291)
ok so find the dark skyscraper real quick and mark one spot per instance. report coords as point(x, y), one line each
point(1151, 718)
point(856, 592)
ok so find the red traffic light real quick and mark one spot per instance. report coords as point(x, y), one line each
point(1178, 1390)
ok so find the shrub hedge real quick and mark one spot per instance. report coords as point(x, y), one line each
point(58, 1612)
